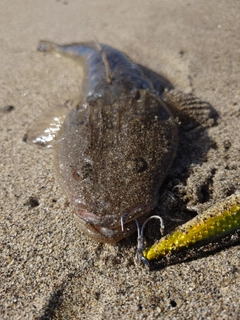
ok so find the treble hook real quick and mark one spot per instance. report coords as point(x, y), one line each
point(140, 240)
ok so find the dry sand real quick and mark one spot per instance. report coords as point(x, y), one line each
point(49, 269)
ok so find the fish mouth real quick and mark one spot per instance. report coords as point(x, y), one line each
point(114, 221)
point(106, 221)
point(111, 235)
point(104, 234)
point(108, 228)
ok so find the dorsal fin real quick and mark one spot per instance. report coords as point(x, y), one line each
point(105, 61)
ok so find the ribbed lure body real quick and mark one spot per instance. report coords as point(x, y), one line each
point(216, 222)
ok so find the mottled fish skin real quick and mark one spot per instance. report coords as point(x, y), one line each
point(114, 147)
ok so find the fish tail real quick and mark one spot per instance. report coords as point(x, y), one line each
point(47, 46)
point(81, 50)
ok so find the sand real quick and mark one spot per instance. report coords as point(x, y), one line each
point(49, 268)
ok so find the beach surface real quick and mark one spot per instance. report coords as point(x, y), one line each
point(48, 268)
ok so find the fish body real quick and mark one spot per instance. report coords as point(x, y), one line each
point(114, 147)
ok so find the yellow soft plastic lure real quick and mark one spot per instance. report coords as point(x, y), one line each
point(216, 222)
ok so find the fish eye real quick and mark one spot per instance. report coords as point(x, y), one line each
point(83, 173)
point(141, 164)
point(86, 170)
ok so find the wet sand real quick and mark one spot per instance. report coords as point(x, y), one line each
point(49, 269)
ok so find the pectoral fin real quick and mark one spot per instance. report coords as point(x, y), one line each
point(189, 107)
point(45, 128)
